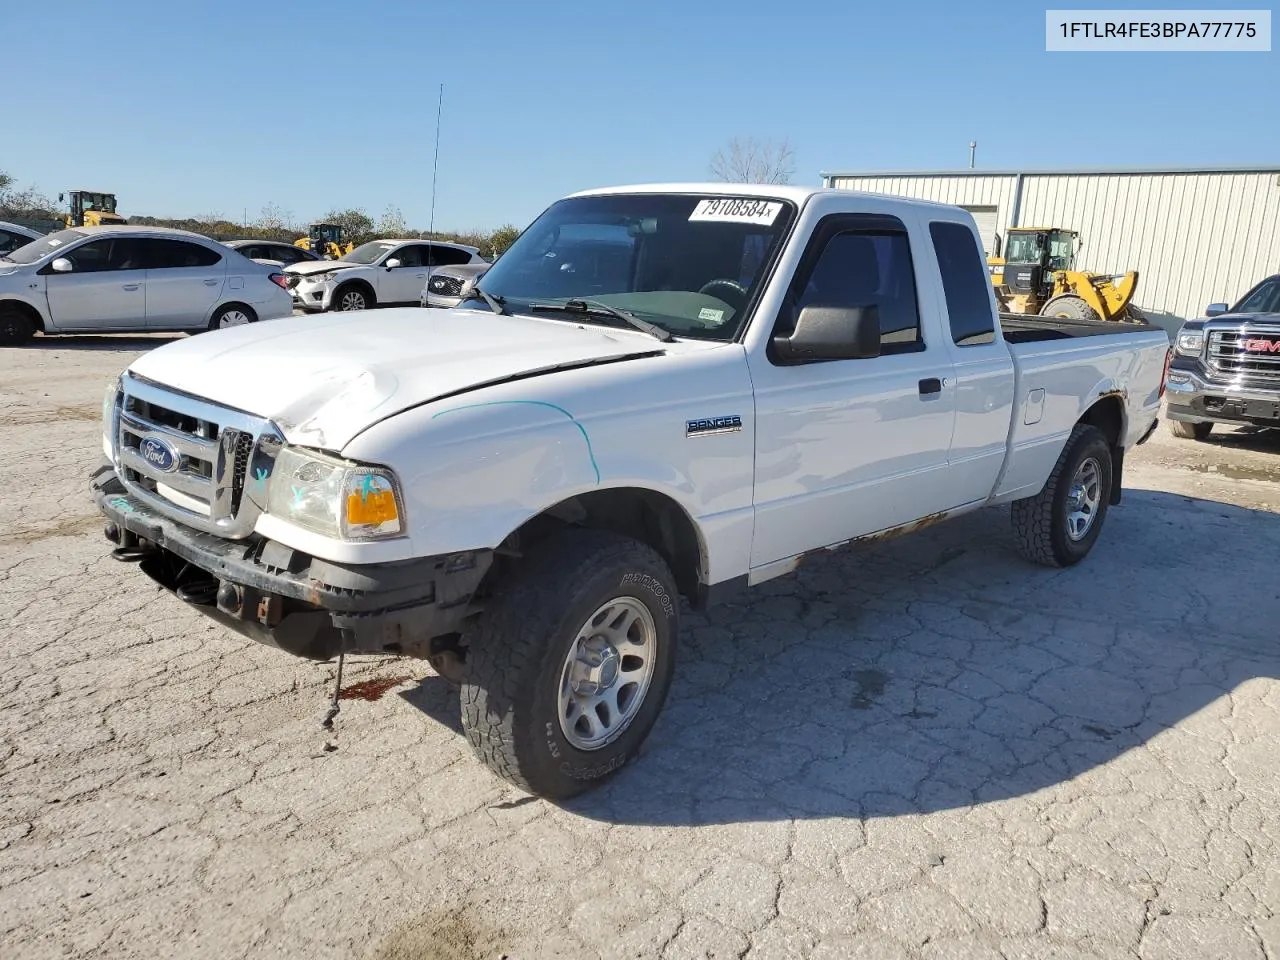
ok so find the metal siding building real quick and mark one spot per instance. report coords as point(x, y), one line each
point(1195, 236)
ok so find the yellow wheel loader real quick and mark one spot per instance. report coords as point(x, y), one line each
point(90, 208)
point(325, 239)
point(1036, 275)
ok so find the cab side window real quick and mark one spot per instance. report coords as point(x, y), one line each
point(868, 267)
point(964, 283)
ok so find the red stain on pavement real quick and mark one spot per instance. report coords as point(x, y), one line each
point(371, 689)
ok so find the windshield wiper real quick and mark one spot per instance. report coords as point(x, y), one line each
point(596, 308)
point(494, 303)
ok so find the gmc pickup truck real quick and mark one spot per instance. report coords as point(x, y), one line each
point(1226, 367)
point(658, 393)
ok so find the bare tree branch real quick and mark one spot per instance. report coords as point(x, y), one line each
point(748, 160)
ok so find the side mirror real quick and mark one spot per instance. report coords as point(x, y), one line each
point(392, 263)
point(62, 265)
point(831, 333)
point(1216, 309)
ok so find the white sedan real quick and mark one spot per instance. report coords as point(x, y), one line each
point(122, 279)
point(378, 273)
point(13, 236)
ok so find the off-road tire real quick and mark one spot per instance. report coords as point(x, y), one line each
point(517, 648)
point(370, 301)
point(1188, 430)
point(1069, 307)
point(1040, 522)
point(16, 328)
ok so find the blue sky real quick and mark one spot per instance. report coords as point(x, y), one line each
point(186, 109)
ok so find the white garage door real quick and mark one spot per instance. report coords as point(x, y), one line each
point(986, 218)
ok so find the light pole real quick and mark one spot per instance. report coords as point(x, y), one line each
point(973, 147)
point(435, 164)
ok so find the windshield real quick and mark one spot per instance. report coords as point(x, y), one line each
point(104, 202)
point(690, 264)
point(1022, 248)
point(45, 246)
point(367, 252)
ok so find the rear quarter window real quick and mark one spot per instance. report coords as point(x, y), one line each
point(965, 283)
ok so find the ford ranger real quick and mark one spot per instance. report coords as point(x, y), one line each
point(658, 393)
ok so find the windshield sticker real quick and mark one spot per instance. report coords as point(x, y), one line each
point(711, 314)
point(55, 243)
point(736, 210)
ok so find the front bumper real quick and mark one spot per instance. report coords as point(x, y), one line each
point(1189, 397)
point(314, 298)
point(303, 605)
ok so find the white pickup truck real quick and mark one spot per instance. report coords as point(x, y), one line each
point(658, 392)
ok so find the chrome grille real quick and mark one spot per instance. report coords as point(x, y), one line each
point(446, 286)
point(190, 459)
point(1244, 354)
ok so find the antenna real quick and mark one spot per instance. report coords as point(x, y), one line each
point(435, 164)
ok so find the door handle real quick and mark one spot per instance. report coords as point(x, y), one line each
point(132, 286)
point(930, 386)
point(212, 283)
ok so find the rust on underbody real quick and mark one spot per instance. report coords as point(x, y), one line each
point(913, 527)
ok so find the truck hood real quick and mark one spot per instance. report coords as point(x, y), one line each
point(323, 380)
point(305, 267)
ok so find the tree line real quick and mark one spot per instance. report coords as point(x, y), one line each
point(29, 205)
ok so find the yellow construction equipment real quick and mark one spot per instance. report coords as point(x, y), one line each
point(1035, 274)
point(91, 208)
point(326, 239)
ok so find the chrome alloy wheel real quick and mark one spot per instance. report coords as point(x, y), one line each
point(607, 673)
point(1083, 499)
point(352, 300)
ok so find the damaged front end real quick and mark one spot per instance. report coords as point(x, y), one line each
point(312, 608)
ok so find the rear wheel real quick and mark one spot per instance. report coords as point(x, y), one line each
point(1190, 430)
point(16, 328)
point(1059, 525)
point(569, 665)
point(1069, 307)
point(232, 315)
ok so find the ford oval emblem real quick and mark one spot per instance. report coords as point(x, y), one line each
point(159, 454)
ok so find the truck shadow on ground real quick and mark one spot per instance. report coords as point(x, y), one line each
point(940, 670)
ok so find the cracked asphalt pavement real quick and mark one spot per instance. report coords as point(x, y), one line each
point(921, 749)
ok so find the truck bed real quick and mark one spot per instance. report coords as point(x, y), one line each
point(1025, 328)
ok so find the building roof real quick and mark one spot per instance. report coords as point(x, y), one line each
point(1054, 172)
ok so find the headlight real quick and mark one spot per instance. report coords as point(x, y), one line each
point(108, 410)
point(334, 497)
point(1190, 344)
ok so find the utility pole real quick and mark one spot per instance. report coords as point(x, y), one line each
point(973, 147)
point(435, 165)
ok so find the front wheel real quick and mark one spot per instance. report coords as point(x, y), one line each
point(1060, 524)
point(15, 328)
point(352, 298)
point(570, 663)
point(1068, 306)
point(1186, 430)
